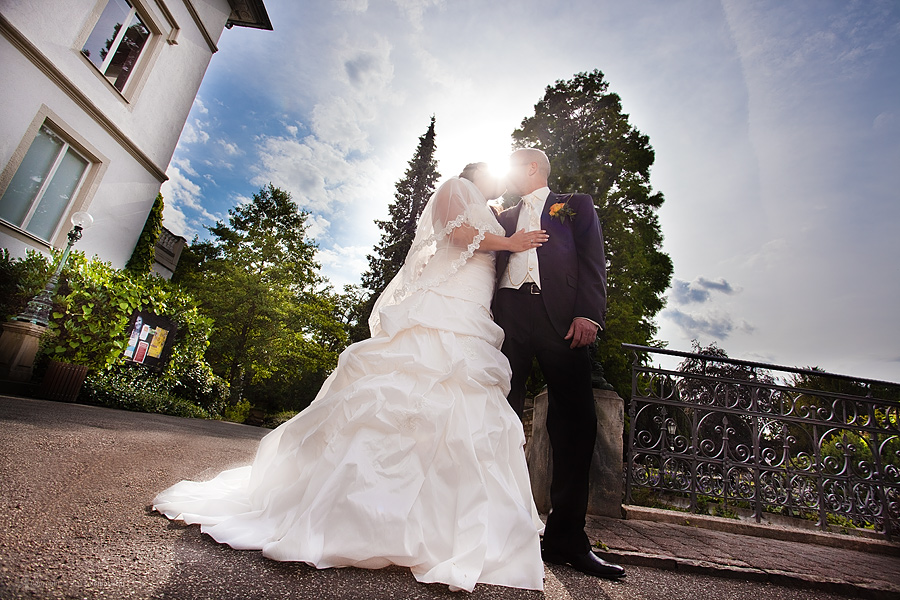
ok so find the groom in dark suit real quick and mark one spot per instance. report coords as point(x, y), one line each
point(550, 302)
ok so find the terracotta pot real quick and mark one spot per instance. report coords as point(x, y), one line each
point(62, 381)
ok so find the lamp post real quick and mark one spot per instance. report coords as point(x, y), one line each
point(671, 428)
point(38, 309)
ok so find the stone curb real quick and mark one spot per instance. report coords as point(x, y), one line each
point(774, 532)
point(873, 590)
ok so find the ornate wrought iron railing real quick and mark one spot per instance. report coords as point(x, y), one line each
point(775, 439)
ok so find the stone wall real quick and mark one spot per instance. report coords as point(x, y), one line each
point(605, 497)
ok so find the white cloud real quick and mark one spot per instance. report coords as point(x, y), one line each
point(193, 133)
point(230, 148)
point(355, 6)
point(367, 69)
point(297, 166)
point(184, 165)
point(180, 195)
point(218, 163)
point(317, 225)
point(330, 171)
point(414, 10)
point(175, 221)
point(241, 200)
point(342, 265)
point(769, 255)
point(321, 177)
point(886, 121)
point(336, 122)
point(698, 291)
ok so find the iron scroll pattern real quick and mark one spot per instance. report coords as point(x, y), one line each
point(765, 445)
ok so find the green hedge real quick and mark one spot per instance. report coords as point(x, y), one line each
point(135, 388)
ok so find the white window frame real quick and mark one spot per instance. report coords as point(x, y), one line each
point(118, 41)
point(81, 194)
point(51, 174)
point(149, 52)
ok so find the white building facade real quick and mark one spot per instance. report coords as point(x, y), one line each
point(93, 97)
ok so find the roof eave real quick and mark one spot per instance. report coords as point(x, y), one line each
point(249, 13)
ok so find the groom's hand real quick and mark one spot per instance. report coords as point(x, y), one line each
point(582, 332)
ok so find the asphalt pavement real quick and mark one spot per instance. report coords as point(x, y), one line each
point(76, 484)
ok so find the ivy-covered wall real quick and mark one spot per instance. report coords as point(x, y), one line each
point(141, 260)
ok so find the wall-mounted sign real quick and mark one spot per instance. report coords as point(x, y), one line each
point(150, 340)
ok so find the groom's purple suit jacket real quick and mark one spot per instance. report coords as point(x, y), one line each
point(572, 263)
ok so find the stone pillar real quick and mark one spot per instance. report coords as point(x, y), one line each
point(605, 497)
point(18, 346)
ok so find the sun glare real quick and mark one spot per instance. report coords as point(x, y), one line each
point(498, 167)
point(474, 145)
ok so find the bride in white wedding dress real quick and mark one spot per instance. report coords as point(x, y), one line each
point(410, 454)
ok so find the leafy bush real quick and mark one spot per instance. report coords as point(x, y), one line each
point(92, 308)
point(237, 413)
point(722, 510)
point(134, 388)
point(196, 383)
point(279, 418)
point(857, 449)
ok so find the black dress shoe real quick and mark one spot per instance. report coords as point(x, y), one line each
point(588, 563)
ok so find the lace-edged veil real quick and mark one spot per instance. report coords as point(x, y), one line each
point(456, 204)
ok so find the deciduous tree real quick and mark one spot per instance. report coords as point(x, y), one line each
point(274, 317)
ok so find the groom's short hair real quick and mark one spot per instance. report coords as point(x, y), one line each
point(538, 156)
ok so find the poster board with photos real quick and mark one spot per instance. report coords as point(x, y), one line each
point(150, 340)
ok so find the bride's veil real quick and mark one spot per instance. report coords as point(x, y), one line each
point(455, 220)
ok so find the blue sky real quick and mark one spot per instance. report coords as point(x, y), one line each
point(776, 126)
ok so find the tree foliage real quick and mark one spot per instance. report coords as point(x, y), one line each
point(20, 280)
point(727, 378)
point(819, 394)
point(141, 261)
point(258, 280)
point(593, 149)
point(398, 231)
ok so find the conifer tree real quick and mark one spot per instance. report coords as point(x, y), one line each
point(398, 231)
point(594, 149)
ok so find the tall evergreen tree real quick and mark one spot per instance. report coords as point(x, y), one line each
point(397, 232)
point(593, 149)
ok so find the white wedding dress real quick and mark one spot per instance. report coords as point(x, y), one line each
point(410, 454)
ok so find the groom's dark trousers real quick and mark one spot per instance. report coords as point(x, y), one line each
point(571, 417)
point(573, 281)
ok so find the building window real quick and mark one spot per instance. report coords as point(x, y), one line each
point(39, 194)
point(114, 48)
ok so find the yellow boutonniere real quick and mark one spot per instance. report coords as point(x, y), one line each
point(561, 211)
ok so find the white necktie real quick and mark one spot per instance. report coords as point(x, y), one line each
point(523, 266)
